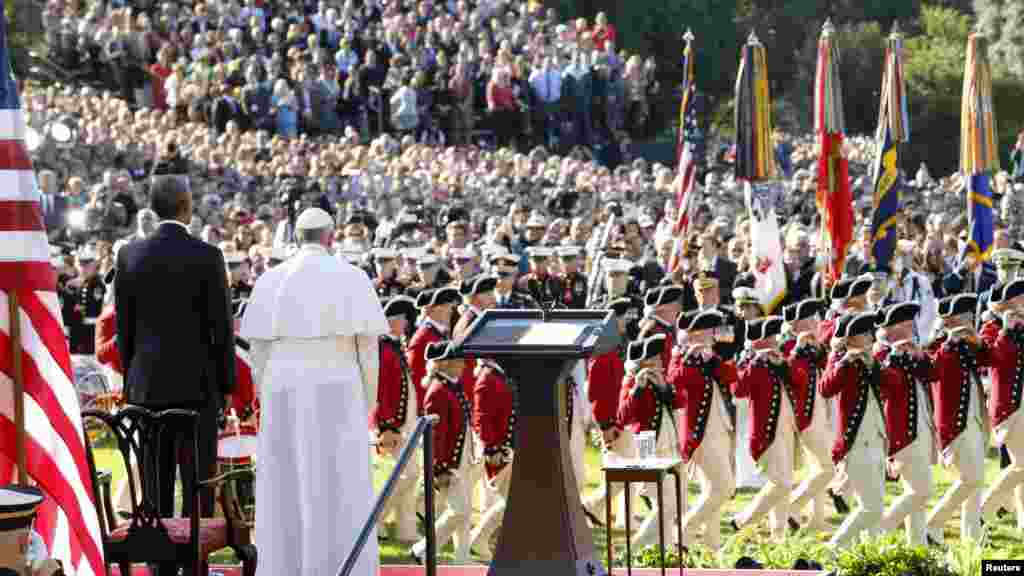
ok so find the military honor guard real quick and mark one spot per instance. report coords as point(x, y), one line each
point(505, 265)
point(386, 281)
point(959, 415)
point(453, 449)
point(848, 295)
point(647, 403)
point(107, 352)
point(494, 422)
point(616, 286)
point(605, 375)
point(905, 375)
point(698, 382)
point(764, 378)
point(573, 281)
point(435, 306)
point(543, 286)
point(662, 307)
point(86, 291)
point(852, 376)
point(1005, 399)
point(807, 357)
point(747, 303)
point(393, 418)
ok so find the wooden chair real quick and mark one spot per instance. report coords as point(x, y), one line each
point(147, 537)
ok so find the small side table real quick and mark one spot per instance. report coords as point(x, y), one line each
point(654, 470)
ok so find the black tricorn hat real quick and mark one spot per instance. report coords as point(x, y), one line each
point(860, 285)
point(663, 295)
point(1011, 290)
point(841, 289)
point(897, 313)
point(958, 304)
point(762, 328)
point(480, 284)
point(700, 320)
point(863, 323)
point(438, 297)
point(442, 350)
point(645, 348)
point(803, 309)
point(400, 306)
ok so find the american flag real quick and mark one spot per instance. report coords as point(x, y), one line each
point(55, 445)
point(686, 202)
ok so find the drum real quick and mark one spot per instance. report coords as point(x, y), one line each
point(238, 450)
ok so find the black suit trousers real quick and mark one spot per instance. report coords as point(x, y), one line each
point(174, 451)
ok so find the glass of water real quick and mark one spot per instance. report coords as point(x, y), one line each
point(645, 445)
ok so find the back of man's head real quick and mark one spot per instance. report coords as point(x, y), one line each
point(170, 197)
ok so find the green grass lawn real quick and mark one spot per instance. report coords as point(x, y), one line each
point(1001, 534)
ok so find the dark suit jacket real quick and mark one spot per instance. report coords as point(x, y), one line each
point(726, 270)
point(959, 281)
point(174, 321)
point(54, 208)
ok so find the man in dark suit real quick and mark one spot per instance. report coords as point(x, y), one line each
point(725, 270)
point(175, 334)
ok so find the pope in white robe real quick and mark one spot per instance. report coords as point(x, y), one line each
point(314, 322)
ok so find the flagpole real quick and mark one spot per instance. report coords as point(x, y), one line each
point(14, 315)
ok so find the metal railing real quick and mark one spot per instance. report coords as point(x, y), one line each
point(424, 427)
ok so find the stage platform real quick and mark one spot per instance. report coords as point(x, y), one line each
point(482, 571)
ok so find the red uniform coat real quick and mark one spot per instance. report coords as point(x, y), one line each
point(494, 413)
point(694, 383)
point(444, 397)
point(391, 411)
point(605, 374)
point(765, 384)
point(244, 400)
point(853, 382)
point(426, 334)
point(106, 339)
point(901, 374)
point(469, 372)
point(642, 413)
point(809, 361)
point(957, 365)
point(1007, 375)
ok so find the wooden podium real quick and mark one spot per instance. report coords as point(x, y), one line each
point(544, 530)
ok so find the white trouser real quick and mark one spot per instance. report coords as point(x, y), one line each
point(967, 454)
point(776, 465)
point(1009, 485)
point(624, 448)
point(712, 464)
point(480, 538)
point(913, 464)
point(744, 468)
point(865, 472)
point(455, 521)
point(818, 455)
point(402, 505)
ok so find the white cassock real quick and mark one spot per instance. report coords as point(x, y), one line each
point(314, 323)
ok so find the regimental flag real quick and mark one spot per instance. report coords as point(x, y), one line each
point(755, 154)
point(834, 199)
point(887, 196)
point(55, 442)
point(689, 150)
point(979, 158)
point(765, 248)
point(979, 215)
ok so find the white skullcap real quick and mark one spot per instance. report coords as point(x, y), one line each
point(314, 219)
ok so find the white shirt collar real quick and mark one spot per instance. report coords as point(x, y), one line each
point(317, 248)
point(174, 222)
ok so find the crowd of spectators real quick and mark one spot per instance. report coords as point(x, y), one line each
point(503, 72)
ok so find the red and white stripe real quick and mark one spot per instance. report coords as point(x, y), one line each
point(55, 445)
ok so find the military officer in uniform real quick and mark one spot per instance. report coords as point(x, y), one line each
point(494, 423)
point(238, 280)
point(435, 308)
point(906, 373)
point(429, 274)
point(386, 282)
point(706, 291)
point(812, 415)
point(505, 265)
point(765, 378)
point(748, 305)
point(616, 280)
point(453, 448)
point(705, 423)
point(959, 415)
point(605, 375)
point(543, 286)
point(859, 448)
point(393, 419)
point(647, 403)
point(574, 283)
point(1005, 399)
point(662, 307)
point(87, 292)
